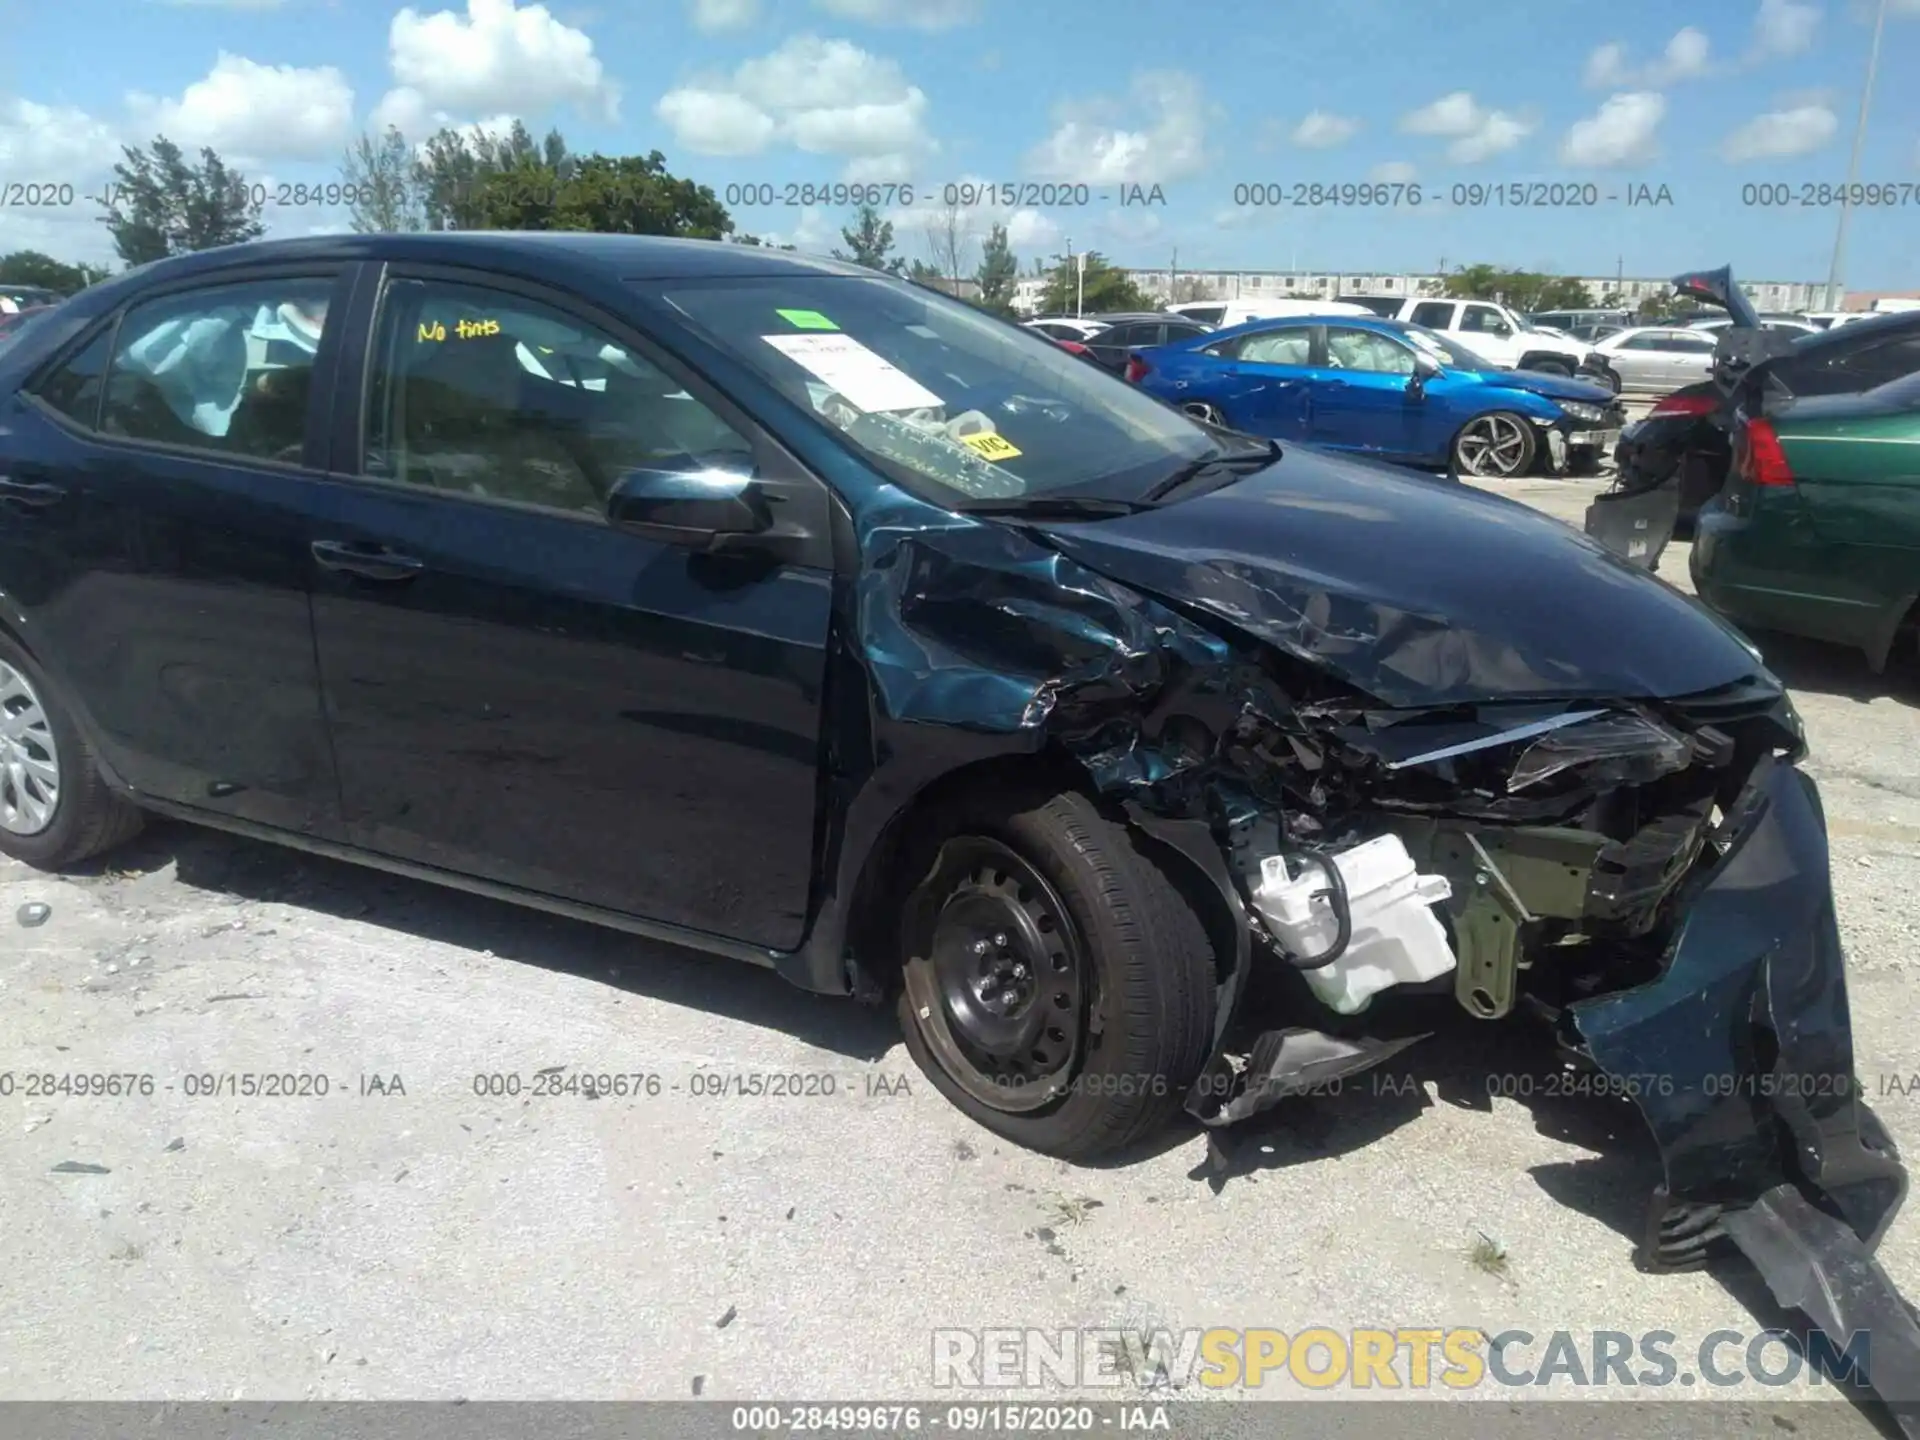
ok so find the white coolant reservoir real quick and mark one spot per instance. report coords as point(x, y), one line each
point(1395, 939)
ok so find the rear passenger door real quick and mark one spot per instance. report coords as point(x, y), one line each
point(1265, 383)
point(183, 440)
point(521, 691)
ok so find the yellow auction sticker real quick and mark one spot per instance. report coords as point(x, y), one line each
point(990, 445)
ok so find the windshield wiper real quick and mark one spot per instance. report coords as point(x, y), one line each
point(1220, 460)
point(1057, 507)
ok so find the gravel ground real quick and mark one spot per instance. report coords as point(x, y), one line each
point(440, 1243)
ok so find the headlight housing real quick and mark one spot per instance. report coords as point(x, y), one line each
point(1576, 410)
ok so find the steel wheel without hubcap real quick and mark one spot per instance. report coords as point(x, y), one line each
point(997, 977)
point(1201, 410)
point(1496, 446)
point(29, 758)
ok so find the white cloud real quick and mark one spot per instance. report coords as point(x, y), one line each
point(1784, 27)
point(815, 232)
point(251, 111)
point(823, 97)
point(56, 141)
point(1607, 66)
point(918, 14)
point(1027, 230)
point(1686, 57)
point(1474, 132)
point(494, 58)
point(1089, 146)
point(1392, 172)
point(1782, 133)
point(1620, 133)
point(1322, 130)
point(712, 15)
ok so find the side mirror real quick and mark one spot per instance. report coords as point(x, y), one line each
point(707, 509)
point(1425, 368)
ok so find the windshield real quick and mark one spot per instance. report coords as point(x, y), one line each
point(1448, 351)
point(933, 390)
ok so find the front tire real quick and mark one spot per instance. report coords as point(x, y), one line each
point(1494, 447)
point(55, 807)
point(1056, 986)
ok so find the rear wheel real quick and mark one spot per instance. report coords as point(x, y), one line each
point(55, 809)
point(1494, 447)
point(1057, 987)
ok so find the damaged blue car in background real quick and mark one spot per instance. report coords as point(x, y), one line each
point(923, 662)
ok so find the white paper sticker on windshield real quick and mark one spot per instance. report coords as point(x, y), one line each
point(863, 379)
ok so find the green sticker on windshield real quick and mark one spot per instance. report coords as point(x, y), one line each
point(806, 319)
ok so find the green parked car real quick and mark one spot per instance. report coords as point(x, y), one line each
point(1817, 532)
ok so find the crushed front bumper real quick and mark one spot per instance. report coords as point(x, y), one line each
point(1740, 1056)
point(1740, 1059)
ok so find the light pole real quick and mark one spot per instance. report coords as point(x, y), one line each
point(1079, 285)
point(1853, 164)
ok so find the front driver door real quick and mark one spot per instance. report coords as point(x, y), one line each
point(522, 692)
point(1362, 393)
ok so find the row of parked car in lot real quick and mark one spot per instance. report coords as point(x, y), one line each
point(1464, 385)
point(1788, 445)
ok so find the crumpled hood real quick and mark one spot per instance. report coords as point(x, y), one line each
point(1552, 387)
point(1414, 590)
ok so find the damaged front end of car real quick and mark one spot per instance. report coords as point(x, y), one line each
point(1370, 777)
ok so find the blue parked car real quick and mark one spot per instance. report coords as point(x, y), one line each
point(1384, 388)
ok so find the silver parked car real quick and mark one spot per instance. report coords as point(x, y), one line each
point(1659, 359)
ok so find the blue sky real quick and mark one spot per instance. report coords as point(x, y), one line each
point(1197, 99)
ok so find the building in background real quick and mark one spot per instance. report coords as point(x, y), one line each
point(1871, 300)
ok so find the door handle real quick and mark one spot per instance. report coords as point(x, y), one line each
point(27, 492)
point(371, 562)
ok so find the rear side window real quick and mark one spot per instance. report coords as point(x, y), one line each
point(1435, 315)
point(1839, 369)
point(1278, 347)
point(74, 388)
point(227, 369)
point(1210, 315)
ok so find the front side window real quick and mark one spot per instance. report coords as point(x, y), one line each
point(226, 369)
point(74, 389)
point(1368, 350)
point(937, 394)
point(491, 394)
point(1484, 320)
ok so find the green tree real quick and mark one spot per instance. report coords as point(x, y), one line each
point(869, 242)
point(455, 167)
point(612, 195)
point(1103, 288)
point(745, 239)
point(381, 176)
point(1524, 290)
point(999, 268)
point(159, 205)
point(30, 267)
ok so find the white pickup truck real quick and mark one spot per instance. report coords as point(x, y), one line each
point(1504, 337)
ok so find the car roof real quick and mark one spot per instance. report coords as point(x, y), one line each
point(1346, 322)
point(619, 257)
